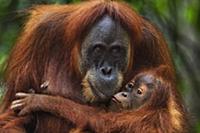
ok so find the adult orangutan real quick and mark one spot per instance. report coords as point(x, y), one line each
point(100, 43)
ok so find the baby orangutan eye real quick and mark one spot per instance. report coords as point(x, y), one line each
point(139, 91)
point(130, 85)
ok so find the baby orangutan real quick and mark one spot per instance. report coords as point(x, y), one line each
point(136, 94)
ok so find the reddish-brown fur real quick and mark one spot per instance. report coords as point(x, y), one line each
point(153, 117)
point(48, 49)
point(155, 112)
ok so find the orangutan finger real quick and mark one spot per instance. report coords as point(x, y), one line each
point(22, 95)
point(18, 101)
point(17, 106)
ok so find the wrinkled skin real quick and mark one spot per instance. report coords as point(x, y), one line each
point(104, 58)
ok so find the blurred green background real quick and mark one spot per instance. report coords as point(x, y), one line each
point(179, 20)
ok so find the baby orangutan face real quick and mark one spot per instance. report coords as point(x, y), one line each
point(136, 93)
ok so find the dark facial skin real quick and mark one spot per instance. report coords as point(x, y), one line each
point(136, 93)
point(104, 57)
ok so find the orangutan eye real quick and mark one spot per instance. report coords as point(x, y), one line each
point(130, 85)
point(97, 49)
point(139, 91)
point(116, 49)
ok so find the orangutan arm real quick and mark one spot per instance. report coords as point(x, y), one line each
point(56, 105)
point(99, 121)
